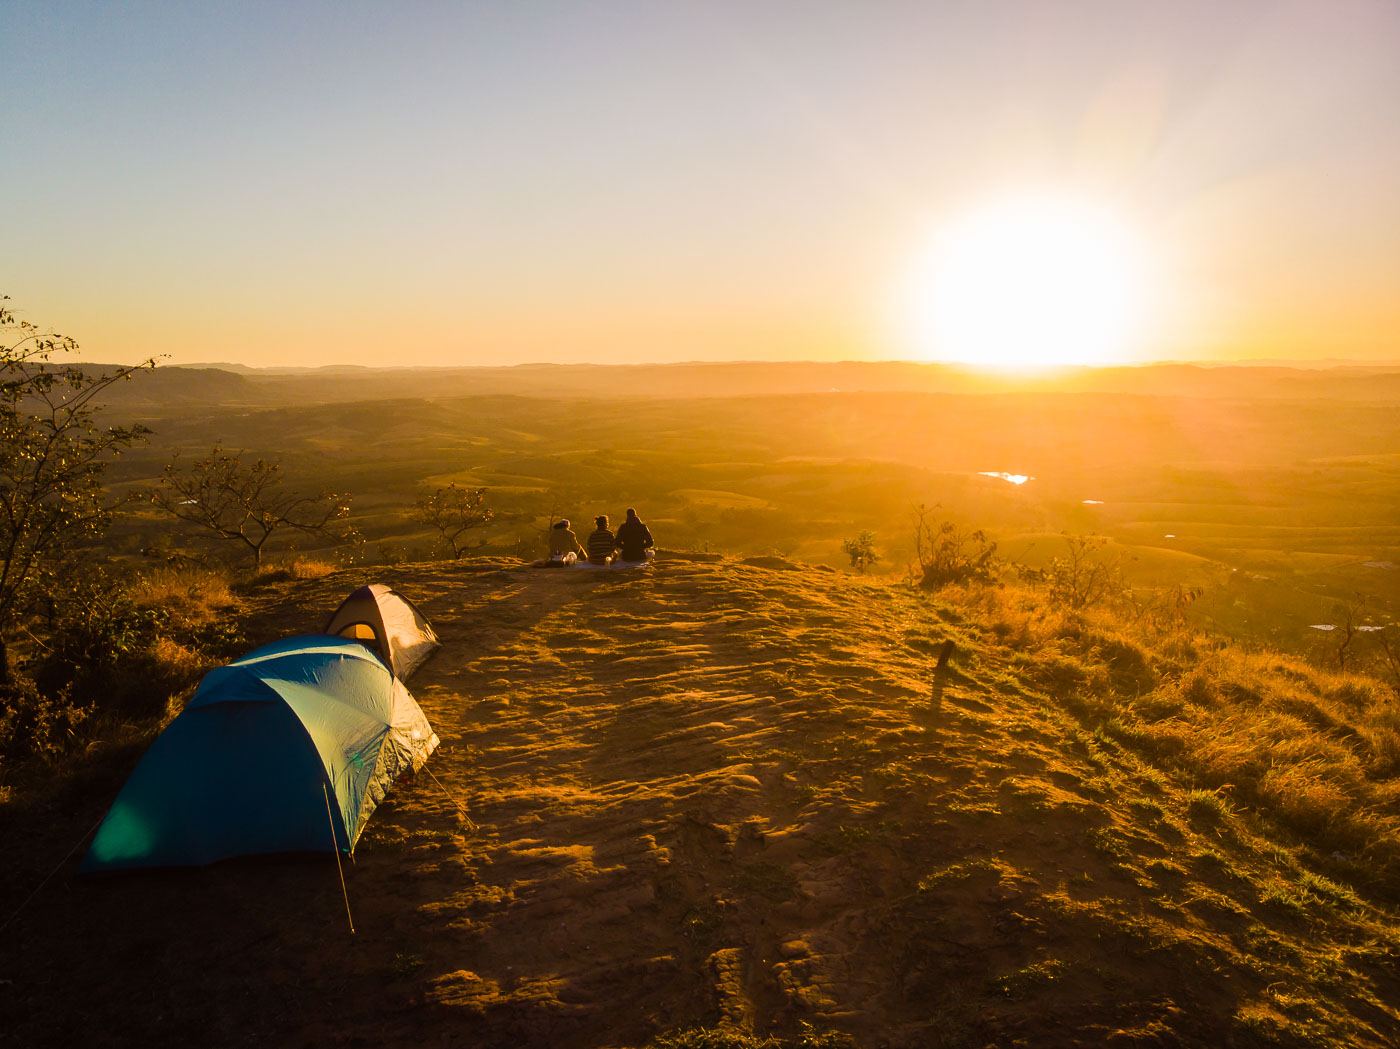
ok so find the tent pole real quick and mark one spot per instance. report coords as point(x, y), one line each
point(335, 846)
point(450, 798)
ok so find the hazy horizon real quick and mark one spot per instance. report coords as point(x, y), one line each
point(1027, 183)
point(1300, 364)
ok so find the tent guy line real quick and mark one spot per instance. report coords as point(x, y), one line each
point(456, 804)
point(66, 857)
point(330, 820)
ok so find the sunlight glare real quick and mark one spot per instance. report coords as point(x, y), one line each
point(1026, 283)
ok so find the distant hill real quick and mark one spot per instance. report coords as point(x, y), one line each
point(223, 366)
point(163, 389)
point(338, 384)
point(720, 801)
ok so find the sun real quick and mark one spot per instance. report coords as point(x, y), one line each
point(1032, 282)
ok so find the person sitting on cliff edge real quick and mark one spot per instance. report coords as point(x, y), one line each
point(635, 538)
point(601, 543)
point(564, 547)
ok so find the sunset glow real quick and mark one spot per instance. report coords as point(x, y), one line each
point(1026, 283)
point(468, 184)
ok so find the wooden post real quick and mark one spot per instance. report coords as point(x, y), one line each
point(940, 675)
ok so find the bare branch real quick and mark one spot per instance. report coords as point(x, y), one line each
point(454, 512)
point(244, 502)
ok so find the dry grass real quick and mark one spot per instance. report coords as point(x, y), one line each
point(175, 665)
point(1313, 749)
point(297, 569)
point(196, 593)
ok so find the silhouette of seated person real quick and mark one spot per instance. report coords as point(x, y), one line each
point(602, 544)
point(564, 547)
point(634, 538)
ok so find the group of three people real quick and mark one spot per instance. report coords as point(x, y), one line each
point(631, 543)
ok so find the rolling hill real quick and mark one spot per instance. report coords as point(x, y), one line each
point(237, 386)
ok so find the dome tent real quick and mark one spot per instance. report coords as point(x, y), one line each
point(386, 622)
point(297, 741)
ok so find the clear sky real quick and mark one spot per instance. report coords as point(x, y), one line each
point(502, 182)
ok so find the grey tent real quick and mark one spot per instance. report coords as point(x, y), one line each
point(385, 621)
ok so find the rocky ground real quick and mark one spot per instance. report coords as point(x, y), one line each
point(706, 804)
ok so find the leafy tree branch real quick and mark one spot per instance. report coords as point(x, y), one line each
point(52, 455)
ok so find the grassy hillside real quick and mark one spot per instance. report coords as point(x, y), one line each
point(1300, 498)
point(724, 801)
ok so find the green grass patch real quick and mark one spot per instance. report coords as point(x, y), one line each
point(958, 872)
point(808, 1037)
point(1208, 806)
point(848, 838)
point(1036, 977)
point(771, 881)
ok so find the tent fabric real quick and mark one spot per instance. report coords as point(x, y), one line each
point(385, 621)
point(265, 745)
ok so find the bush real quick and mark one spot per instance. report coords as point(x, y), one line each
point(1084, 576)
point(34, 725)
point(118, 650)
point(98, 628)
point(949, 555)
point(861, 550)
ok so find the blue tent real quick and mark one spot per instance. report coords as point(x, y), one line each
point(248, 766)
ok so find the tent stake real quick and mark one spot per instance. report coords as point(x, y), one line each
point(460, 810)
point(335, 846)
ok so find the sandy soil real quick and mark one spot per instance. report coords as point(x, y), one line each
point(701, 795)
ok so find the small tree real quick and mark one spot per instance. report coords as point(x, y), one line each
point(1084, 576)
point(53, 452)
point(245, 503)
point(1388, 645)
point(1161, 610)
point(454, 512)
point(1350, 615)
point(861, 550)
point(947, 554)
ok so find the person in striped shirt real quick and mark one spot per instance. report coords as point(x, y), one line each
point(601, 543)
